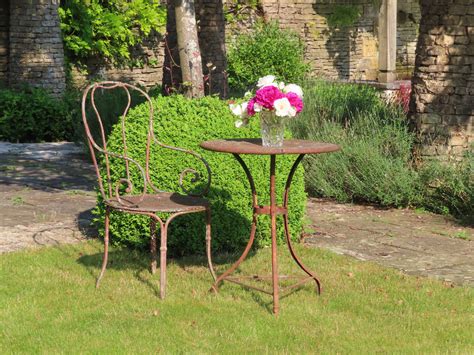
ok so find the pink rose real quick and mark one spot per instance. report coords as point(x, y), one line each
point(267, 95)
point(250, 107)
point(295, 101)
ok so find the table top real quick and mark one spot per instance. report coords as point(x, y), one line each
point(254, 146)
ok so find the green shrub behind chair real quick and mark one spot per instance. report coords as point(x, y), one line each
point(33, 115)
point(186, 123)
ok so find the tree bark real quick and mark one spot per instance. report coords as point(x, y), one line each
point(188, 46)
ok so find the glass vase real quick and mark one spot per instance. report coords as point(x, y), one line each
point(272, 129)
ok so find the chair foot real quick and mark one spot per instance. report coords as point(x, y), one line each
point(106, 248)
point(97, 283)
point(214, 289)
point(208, 244)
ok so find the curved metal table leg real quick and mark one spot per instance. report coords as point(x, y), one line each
point(253, 228)
point(287, 229)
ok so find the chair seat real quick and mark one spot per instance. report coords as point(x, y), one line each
point(159, 202)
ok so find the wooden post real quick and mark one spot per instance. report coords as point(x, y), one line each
point(387, 41)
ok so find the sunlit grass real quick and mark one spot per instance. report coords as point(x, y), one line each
point(48, 303)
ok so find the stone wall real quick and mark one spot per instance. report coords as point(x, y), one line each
point(4, 42)
point(150, 53)
point(408, 20)
point(345, 52)
point(349, 53)
point(36, 55)
point(443, 84)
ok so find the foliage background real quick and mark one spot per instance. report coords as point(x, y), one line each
point(33, 115)
point(108, 29)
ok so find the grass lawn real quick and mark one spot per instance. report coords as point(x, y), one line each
point(48, 303)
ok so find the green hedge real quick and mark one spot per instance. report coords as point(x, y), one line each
point(185, 123)
point(33, 115)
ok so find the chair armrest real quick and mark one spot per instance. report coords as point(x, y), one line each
point(197, 176)
point(127, 180)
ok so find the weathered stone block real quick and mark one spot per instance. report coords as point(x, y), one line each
point(430, 118)
point(461, 40)
point(445, 40)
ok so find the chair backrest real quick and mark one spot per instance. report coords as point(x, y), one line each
point(112, 189)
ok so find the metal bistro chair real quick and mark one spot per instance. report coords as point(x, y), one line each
point(150, 200)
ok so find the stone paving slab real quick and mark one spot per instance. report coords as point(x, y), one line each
point(416, 243)
point(46, 195)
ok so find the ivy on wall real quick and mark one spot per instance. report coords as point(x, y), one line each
point(108, 29)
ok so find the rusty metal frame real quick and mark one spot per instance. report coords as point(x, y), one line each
point(111, 195)
point(272, 210)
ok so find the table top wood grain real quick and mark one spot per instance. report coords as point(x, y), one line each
point(254, 146)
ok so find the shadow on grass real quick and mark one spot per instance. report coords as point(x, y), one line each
point(139, 261)
point(231, 233)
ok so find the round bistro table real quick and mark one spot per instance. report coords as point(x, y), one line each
point(254, 146)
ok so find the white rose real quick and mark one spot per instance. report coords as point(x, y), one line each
point(294, 89)
point(236, 109)
point(281, 85)
point(282, 107)
point(243, 106)
point(257, 107)
point(239, 109)
point(268, 80)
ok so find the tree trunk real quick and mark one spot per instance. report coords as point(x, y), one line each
point(188, 46)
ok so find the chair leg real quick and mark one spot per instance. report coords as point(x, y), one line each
point(106, 246)
point(153, 246)
point(208, 243)
point(163, 249)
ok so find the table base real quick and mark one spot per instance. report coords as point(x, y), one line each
point(272, 210)
point(282, 290)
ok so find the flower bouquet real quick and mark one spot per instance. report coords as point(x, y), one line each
point(274, 102)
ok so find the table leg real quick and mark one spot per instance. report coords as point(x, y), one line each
point(273, 215)
point(287, 229)
point(253, 228)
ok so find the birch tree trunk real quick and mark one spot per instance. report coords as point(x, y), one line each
point(188, 46)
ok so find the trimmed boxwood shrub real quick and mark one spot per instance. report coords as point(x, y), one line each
point(185, 123)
